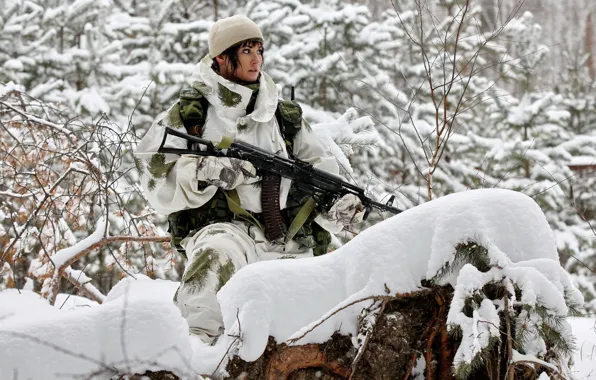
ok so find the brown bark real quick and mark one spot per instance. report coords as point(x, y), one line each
point(60, 271)
point(288, 360)
point(409, 327)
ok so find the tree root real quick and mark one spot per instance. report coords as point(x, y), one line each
point(289, 359)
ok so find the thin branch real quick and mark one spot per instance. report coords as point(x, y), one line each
point(369, 334)
point(59, 272)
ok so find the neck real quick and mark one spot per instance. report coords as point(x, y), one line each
point(242, 82)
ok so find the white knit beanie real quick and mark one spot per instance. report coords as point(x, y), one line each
point(229, 31)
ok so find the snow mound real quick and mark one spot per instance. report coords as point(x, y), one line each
point(128, 334)
point(287, 298)
point(16, 304)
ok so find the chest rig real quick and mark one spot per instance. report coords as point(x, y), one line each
point(296, 221)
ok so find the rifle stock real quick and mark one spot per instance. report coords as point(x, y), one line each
point(331, 186)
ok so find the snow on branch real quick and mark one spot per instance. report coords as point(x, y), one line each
point(346, 133)
point(66, 257)
point(58, 182)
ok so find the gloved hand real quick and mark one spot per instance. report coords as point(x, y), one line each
point(347, 210)
point(224, 172)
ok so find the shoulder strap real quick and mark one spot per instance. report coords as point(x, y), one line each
point(289, 119)
point(193, 110)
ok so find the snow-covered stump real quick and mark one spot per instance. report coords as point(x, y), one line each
point(420, 335)
point(410, 329)
point(468, 286)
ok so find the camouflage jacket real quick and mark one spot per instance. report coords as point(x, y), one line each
point(170, 181)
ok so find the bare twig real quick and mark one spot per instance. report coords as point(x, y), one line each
point(374, 298)
point(236, 339)
point(59, 272)
point(320, 322)
point(377, 314)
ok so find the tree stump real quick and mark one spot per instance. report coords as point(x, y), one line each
point(407, 329)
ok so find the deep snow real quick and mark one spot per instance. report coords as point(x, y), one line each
point(139, 328)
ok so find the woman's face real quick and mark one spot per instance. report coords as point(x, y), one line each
point(250, 59)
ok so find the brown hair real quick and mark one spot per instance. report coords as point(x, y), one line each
point(232, 54)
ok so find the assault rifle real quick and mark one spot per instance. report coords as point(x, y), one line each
point(303, 174)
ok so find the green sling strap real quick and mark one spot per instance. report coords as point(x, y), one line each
point(234, 206)
point(297, 223)
point(300, 218)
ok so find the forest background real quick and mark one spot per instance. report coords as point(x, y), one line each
point(463, 95)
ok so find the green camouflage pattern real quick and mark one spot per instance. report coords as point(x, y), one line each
point(202, 88)
point(290, 111)
point(158, 168)
point(289, 117)
point(228, 97)
point(203, 262)
point(192, 107)
point(139, 165)
point(310, 234)
point(174, 117)
point(186, 222)
point(224, 273)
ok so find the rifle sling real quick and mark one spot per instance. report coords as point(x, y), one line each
point(300, 218)
point(307, 208)
point(234, 206)
point(225, 142)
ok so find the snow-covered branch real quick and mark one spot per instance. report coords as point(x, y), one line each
point(57, 183)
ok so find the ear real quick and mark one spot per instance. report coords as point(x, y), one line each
point(221, 60)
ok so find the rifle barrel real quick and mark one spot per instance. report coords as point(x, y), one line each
point(296, 170)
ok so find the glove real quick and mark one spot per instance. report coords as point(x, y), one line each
point(224, 172)
point(347, 210)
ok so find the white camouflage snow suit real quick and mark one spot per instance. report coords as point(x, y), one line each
point(189, 184)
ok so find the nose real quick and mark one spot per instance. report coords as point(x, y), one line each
point(257, 59)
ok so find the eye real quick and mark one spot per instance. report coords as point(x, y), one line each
point(260, 51)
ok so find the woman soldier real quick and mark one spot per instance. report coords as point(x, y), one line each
point(223, 216)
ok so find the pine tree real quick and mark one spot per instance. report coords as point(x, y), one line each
point(440, 70)
point(532, 142)
point(73, 55)
point(577, 87)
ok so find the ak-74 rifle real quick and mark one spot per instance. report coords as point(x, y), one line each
point(317, 182)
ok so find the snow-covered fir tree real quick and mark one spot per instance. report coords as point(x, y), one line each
point(533, 141)
point(439, 73)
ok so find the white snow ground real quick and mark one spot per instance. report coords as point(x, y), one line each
point(139, 328)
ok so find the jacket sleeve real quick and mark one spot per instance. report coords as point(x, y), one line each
point(310, 148)
point(168, 180)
